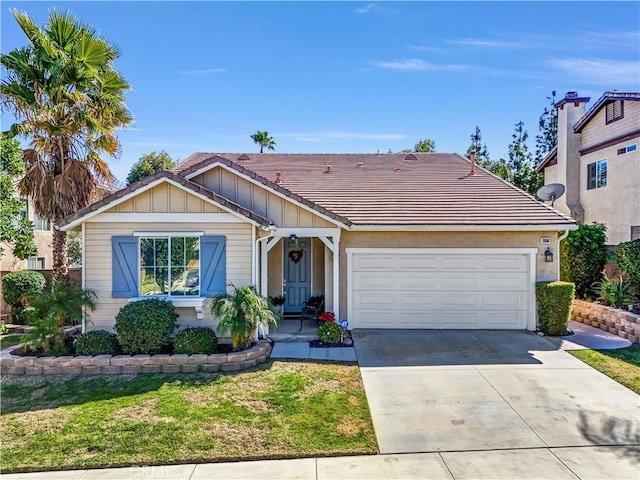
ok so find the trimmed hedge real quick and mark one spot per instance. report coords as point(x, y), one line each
point(627, 256)
point(97, 342)
point(17, 285)
point(554, 306)
point(330, 332)
point(145, 326)
point(196, 340)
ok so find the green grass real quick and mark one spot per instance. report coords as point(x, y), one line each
point(278, 410)
point(7, 341)
point(622, 365)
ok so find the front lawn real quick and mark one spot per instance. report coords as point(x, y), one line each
point(622, 365)
point(278, 410)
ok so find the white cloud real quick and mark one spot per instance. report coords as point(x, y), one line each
point(479, 42)
point(610, 73)
point(205, 71)
point(428, 48)
point(366, 9)
point(418, 65)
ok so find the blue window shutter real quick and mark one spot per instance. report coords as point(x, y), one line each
point(124, 267)
point(213, 263)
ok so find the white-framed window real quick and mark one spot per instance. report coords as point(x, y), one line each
point(169, 265)
point(597, 174)
point(41, 223)
point(35, 263)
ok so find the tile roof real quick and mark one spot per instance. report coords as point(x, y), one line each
point(601, 102)
point(388, 190)
point(194, 187)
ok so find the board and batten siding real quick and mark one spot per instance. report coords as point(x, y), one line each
point(98, 263)
point(165, 198)
point(280, 211)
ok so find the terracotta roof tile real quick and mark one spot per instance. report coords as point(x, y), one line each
point(386, 189)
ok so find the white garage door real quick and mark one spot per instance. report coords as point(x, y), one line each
point(411, 288)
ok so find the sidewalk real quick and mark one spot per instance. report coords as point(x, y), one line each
point(613, 463)
point(302, 350)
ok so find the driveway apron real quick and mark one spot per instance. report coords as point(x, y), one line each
point(468, 390)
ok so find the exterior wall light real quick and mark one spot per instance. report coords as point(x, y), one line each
point(293, 237)
point(548, 255)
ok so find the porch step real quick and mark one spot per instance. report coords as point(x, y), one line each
point(293, 337)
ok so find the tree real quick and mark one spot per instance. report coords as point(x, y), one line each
point(548, 128)
point(520, 162)
point(148, 164)
point(68, 101)
point(264, 140)
point(425, 146)
point(482, 152)
point(16, 231)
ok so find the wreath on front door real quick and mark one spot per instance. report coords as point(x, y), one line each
point(295, 255)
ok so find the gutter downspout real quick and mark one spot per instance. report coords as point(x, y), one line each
point(560, 238)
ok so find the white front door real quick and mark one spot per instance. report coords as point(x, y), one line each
point(456, 288)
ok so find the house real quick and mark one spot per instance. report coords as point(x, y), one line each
point(42, 237)
point(390, 240)
point(598, 161)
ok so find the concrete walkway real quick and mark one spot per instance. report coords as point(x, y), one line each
point(301, 350)
point(613, 463)
point(585, 337)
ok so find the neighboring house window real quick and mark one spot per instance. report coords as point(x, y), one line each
point(615, 111)
point(24, 211)
point(35, 263)
point(168, 266)
point(629, 148)
point(635, 232)
point(597, 174)
point(41, 223)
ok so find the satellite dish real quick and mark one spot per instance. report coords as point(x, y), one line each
point(550, 192)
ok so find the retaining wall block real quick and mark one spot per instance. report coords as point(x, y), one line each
point(51, 370)
point(217, 358)
point(111, 369)
point(189, 368)
point(16, 370)
point(236, 357)
point(158, 359)
point(248, 364)
point(210, 367)
point(131, 369)
point(151, 368)
point(261, 359)
point(170, 368)
point(198, 358)
point(120, 360)
point(178, 359)
point(100, 360)
point(229, 367)
point(91, 369)
point(72, 370)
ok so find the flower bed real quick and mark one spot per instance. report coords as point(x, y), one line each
point(14, 364)
point(618, 322)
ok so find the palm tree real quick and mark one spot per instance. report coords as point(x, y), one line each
point(69, 102)
point(264, 140)
point(242, 313)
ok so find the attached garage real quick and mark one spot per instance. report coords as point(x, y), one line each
point(441, 288)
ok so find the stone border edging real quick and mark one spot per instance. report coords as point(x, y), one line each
point(618, 322)
point(115, 364)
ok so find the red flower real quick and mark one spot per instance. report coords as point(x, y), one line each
point(327, 317)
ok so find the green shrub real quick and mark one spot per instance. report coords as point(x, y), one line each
point(196, 340)
point(23, 315)
point(145, 326)
point(97, 342)
point(330, 332)
point(554, 306)
point(613, 291)
point(18, 285)
point(582, 257)
point(627, 257)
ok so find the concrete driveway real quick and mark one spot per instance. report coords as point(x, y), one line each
point(462, 390)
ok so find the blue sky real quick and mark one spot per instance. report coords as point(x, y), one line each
point(349, 76)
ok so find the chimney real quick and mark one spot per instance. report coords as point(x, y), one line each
point(329, 169)
point(472, 157)
point(570, 109)
point(278, 177)
point(360, 164)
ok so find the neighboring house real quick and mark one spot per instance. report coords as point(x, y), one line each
point(42, 236)
point(391, 240)
point(598, 161)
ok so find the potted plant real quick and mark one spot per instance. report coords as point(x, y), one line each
point(278, 301)
point(326, 317)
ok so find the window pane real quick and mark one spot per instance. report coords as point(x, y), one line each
point(162, 279)
point(162, 252)
point(185, 281)
point(192, 247)
point(177, 251)
point(591, 176)
point(146, 252)
point(602, 174)
point(148, 285)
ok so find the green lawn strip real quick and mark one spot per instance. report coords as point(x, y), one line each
point(10, 340)
point(623, 365)
point(279, 410)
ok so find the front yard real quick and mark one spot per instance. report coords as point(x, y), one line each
point(622, 365)
point(278, 410)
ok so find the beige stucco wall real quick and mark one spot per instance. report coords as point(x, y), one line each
point(597, 130)
point(281, 212)
point(43, 242)
point(275, 265)
point(98, 262)
point(545, 271)
point(618, 204)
